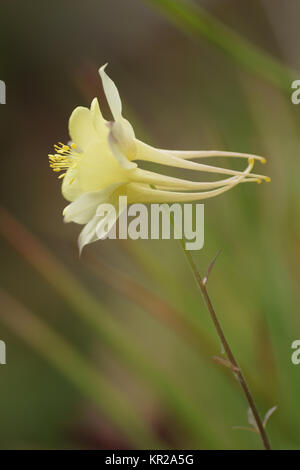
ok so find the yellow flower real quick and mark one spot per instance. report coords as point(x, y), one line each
point(99, 166)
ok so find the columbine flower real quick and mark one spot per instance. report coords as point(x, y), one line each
point(99, 166)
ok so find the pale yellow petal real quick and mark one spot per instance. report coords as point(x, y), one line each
point(98, 168)
point(97, 228)
point(144, 193)
point(117, 151)
point(83, 209)
point(111, 93)
point(214, 185)
point(148, 153)
point(88, 234)
point(190, 154)
point(70, 185)
point(105, 225)
point(81, 127)
point(168, 182)
point(99, 123)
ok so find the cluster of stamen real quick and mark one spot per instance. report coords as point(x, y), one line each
point(64, 158)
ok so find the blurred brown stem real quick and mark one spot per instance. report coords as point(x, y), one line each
point(236, 369)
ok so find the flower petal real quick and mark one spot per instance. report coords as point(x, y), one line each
point(189, 154)
point(98, 228)
point(168, 182)
point(81, 127)
point(98, 168)
point(148, 153)
point(117, 152)
point(214, 184)
point(106, 223)
point(88, 234)
point(143, 193)
point(99, 123)
point(83, 209)
point(70, 186)
point(112, 94)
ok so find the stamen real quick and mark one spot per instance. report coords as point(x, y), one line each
point(64, 158)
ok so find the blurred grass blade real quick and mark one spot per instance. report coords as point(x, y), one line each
point(160, 275)
point(151, 303)
point(65, 358)
point(197, 22)
point(184, 326)
point(103, 324)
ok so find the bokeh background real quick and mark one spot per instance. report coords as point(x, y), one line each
point(114, 350)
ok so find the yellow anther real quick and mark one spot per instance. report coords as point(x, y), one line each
point(63, 158)
point(263, 160)
point(268, 179)
point(251, 161)
point(61, 176)
point(73, 146)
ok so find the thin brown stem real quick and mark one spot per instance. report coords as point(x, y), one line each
point(237, 371)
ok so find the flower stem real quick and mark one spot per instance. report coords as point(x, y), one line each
point(235, 368)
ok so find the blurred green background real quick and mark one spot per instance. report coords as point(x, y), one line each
point(114, 350)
